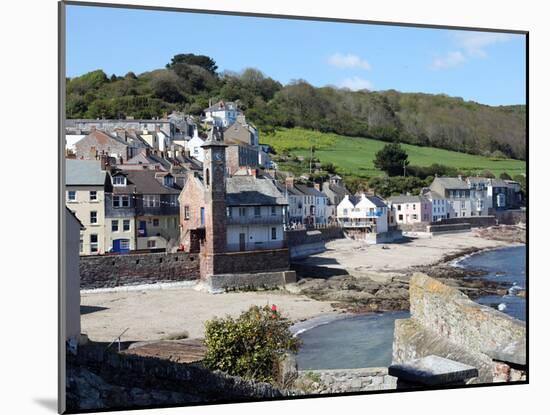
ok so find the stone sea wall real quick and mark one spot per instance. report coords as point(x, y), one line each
point(136, 269)
point(345, 380)
point(302, 243)
point(446, 323)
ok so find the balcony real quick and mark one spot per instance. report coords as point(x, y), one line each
point(344, 223)
point(256, 246)
point(256, 220)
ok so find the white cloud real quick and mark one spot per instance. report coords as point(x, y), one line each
point(448, 61)
point(348, 61)
point(356, 83)
point(470, 45)
point(474, 43)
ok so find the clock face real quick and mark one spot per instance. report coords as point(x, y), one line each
point(218, 156)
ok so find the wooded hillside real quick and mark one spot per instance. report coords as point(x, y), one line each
point(189, 81)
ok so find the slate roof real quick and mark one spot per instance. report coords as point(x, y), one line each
point(309, 190)
point(377, 201)
point(221, 106)
point(452, 183)
point(252, 191)
point(144, 182)
point(84, 173)
point(405, 199)
point(338, 190)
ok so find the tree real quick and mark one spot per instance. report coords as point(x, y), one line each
point(165, 86)
point(251, 345)
point(391, 159)
point(191, 59)
point(505, 176)
point(488, 174)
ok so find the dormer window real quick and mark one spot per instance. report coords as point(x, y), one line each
point(119, 181)
point(168, 180)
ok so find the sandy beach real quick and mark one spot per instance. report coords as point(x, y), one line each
point(154, 313)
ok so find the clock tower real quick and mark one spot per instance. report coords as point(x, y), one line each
point(214, 197)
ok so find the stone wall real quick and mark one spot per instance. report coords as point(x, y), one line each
point(474, 221)
point(446, 323)
point(448, 228)
point(302, 243)
point(184, 382)
point(135, 269)
point(251, 261)
point(262, 280)
point(344, 380)
point(511, 217)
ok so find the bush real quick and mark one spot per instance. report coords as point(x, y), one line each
point(251, 345)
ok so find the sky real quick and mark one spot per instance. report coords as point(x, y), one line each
point(488, 68)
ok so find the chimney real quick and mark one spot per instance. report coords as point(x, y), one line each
point(289, 181)
point(317, 186)
point(459, 177)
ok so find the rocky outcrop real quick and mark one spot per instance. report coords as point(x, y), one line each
point(446, 323)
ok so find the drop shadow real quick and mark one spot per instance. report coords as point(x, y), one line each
point(49, 403)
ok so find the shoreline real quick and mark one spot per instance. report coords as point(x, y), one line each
point(347, 279)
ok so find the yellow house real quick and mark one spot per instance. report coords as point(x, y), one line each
point(85, 196)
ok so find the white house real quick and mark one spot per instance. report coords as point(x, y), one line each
point(222, 114)
point(256, 214)
point(194, 146)
point(368, 213)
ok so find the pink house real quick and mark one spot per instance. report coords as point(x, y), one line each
point(410, 209)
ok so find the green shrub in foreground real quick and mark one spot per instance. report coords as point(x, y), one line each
point(251, 345)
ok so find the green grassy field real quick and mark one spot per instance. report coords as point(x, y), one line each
point(354, 155)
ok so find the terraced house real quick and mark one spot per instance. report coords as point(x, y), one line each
point(85, 183)
point(142, 211)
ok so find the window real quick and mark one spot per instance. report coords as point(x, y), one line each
point(151, 200)
point(398, 207)
point(242, 211)
point(196, 151)
point(156, 222)
point(273, 233)
point(414, 216)
point(414, 206)
point(345, 212)
point(121, 201)
point(93, 216)
point(124, 244)
point(202, 215)
point(81, 245)
point(93, 195)
point(93, 243)
point(400, 217)
point(119, 181)
point(114, 225)
point(151, 244)
point(174, 200)
point(186, 214)
point(257, 211)
point(71, 196)
point(273, 211)
point(126, 225)
point(207, 177)
point(228, 211)
point(168, 180)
